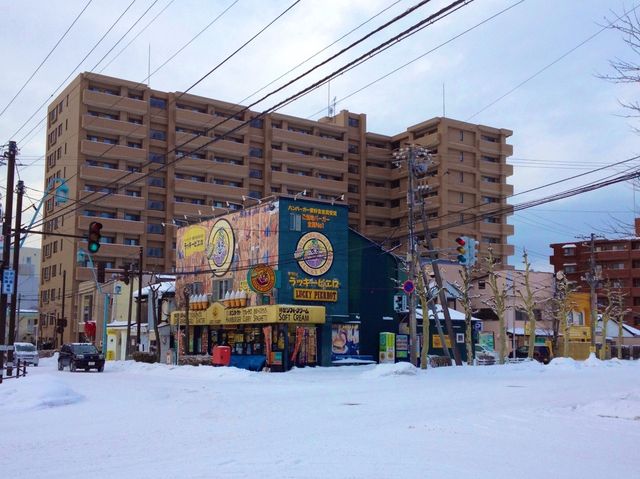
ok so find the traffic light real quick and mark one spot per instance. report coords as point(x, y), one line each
point(462, 250)
point(94, 236)
point(472, 248)
point(101, 273)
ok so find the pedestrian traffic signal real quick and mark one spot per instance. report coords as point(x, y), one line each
point(462, 250)
point(101, 273)
point(94, 236)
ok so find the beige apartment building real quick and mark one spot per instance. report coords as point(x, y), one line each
point(151, 159)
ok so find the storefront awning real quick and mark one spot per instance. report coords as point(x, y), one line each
point(218, 314)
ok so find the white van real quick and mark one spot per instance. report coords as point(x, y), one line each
point(26, 352)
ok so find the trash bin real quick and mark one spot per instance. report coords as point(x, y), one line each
point(221, 356)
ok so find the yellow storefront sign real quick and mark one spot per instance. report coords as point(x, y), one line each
point(315, 295)
point(437, 343)
point(194, 240)
point(217, 314)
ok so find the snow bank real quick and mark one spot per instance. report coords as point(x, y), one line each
point(397, 369)
point(203, 372)
point(37, 392)
point(626, 406)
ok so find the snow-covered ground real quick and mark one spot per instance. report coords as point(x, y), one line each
point(565, 420)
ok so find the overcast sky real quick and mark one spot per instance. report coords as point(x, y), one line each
point(565, 120)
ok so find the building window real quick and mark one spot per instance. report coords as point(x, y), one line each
point(155, 228)
point(255, 152)
point(254, 173)
point(489, 159)
point(134, 144)
point(461, 199)
point(156, 158)
point(295, 222)
point(570, 268)
point(155, 252)
point(158, 135)
point(482, 284)
point(354, 148)
point(156, 205)
point(132, 241)
point(490, 199)
point(158, 103)
point(256, 123)
point(157, 182)
point(354, 122)
point(132, 217)
point(490, 240)
point(489, 179)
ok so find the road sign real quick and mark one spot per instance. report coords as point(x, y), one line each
point(8, 280)
point(408, 286)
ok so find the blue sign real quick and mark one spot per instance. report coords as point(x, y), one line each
point(8, 280)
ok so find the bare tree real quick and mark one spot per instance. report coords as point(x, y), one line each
point(613, 309)
point(465, 275)
point(563, 305)
point(497, 302)
point(528, 303)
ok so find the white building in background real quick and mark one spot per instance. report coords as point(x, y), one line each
point(28, 277)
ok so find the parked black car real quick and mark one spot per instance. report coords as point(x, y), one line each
point(80, 356)
point(540, 353)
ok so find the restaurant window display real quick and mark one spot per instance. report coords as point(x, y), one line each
point(345, 340)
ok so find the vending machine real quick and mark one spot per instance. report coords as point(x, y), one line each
point(387, 348)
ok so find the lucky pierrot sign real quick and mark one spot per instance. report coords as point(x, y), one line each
point(313, 260)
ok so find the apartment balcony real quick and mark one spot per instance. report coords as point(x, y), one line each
point(376, 153)
point(121, 103)
point(96, 173)
point(373, 192)
point(618, 255)
point(114, 200)
point(495, 168)
point(377, 173)
point(226, 147)
point(494, 148)
point(201, 188)
point(382, 212)
point(429, 140)
point(308, 182)
point(189, 209)
point(118, 152)
point(112, 225)
point(113, 127)
point(189, 141)
point(496, 229)
point(308, 141)
point(194, 118)
point(498, 189)
point(225, 125)
point(310, 161)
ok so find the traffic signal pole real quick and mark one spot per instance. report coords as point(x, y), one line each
point(6, 252)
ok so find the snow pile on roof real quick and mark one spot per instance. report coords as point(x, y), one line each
point(613, 331)
point(397, 369)
point(539, 332)
point(455, 315)
point(161, 288)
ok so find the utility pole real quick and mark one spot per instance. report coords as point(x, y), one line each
point(187, 297)
point(411, 260)
point(139, 306)
point(130, 313)
point(6, 252)
point(16, 267)
point(64, 298)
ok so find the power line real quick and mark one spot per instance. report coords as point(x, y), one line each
point(395, 39)
point(549, 65)
point(45, 58)
point(76, 67)
point(420, 56)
